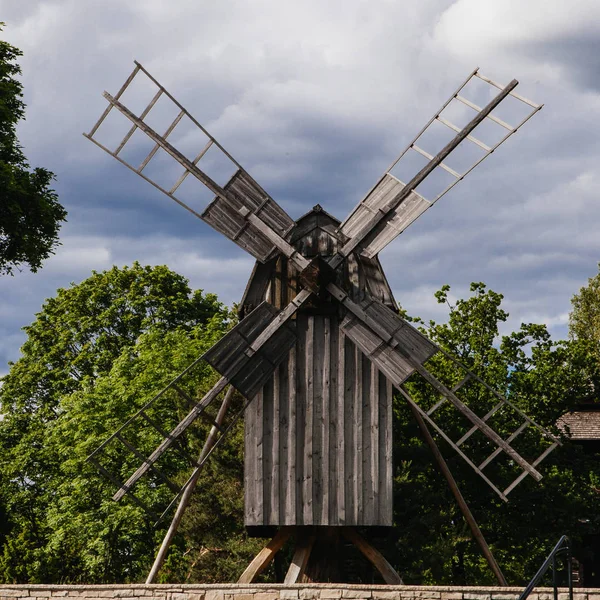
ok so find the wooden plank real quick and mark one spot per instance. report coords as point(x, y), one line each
point(262, 560)
point(251, 518)
point(400, 218)
point(317, 454)
point(307, 487)
point(325, 423)
point(291, 496)
point(389, 574)
point(372, 512)
point(270, 501)
point(364, 438)
point(383, 193)
point(284, 415)
point(340, 430)
point(376, 283)
point(302, 324)
point(226, 220)
point(332, 464)
point(350, 431)
point(256, 288)
point(388, 361)
point(359, 440)
point(300, 558)
point(386, 478)
point(258, 463)
point(250, 195)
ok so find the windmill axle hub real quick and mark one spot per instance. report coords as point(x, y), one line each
point(317, 275)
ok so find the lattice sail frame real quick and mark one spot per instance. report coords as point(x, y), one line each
point(415, 205)
point(242, 210)
point(247, 215)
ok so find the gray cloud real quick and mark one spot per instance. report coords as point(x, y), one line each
point(315, 100)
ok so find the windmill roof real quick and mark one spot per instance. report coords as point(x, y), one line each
point(581, 424)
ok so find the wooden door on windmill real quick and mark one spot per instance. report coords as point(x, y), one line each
point(318, 436)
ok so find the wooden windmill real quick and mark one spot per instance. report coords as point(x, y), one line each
point(320, 347)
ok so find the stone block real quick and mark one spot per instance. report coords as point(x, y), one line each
point(510, 597)
point(288, 594)
point(330, 593)
point(451, 596)
point(360, 594)
point(309, 593)
point(196, 596)
point(474, 596)
point(8, 593)
point(266, 596)
point(40, 593)
point(214, 595)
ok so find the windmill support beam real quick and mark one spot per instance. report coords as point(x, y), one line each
point(191, 486)
point(464, 507)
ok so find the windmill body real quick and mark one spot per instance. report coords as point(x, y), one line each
point(320, 345)
point(318, 436)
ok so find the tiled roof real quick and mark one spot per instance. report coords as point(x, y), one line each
point(581, 424)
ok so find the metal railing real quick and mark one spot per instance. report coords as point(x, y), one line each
point(562, 548)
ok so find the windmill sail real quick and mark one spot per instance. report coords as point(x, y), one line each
point(240, 199)
point(384, 196)
point(398, 350)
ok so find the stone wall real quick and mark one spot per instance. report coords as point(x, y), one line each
point(283, 592)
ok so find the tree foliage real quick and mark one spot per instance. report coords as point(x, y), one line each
point(542, 376)
point(584, 320)
point(62, 396)
point(30, 214)
point(99, 350)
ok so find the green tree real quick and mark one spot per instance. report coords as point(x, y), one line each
point(584, 319)
point(127, 340)
point(82, 345)
point(544, 377)
point(30, 214)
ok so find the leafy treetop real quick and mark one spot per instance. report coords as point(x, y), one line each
point(30, 214)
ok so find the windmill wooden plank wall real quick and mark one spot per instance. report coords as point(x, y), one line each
point(318, 437)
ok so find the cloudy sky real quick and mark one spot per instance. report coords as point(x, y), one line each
point(315, 99)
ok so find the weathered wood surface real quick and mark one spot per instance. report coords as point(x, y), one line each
point(318, 434)
point(316, 234)
point(383, 193)
point(319, 454)
point(297, 568)
point(262, 560)
point(234, 356)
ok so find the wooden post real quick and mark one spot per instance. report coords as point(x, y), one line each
point(468, 515)
point(304, 544)
point(262, 560)
point(389, 574)
point(187, 493)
